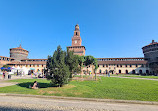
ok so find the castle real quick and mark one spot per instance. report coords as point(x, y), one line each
point(18, 58)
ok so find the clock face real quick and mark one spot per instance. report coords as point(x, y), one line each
point(75, 41)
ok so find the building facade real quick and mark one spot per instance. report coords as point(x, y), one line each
point(18, 58)
point(120, 66)
point(5, 60)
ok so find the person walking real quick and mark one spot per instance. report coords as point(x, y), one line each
point(109, 74)
point(3, 75)
point(9, 76)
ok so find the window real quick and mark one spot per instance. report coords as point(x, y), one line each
point(120, 65)
point(119, 71)
point(126, 65)
point(106, 65)
point(142, 65)
point(130, 65)
point(140, 71)
point(147, 71)
point(98, 65)
point(136, 65)
point(133, 72)
point(126, 71)
point(76, 33)
point(30, 65)
point(100, 71)
point(117, 65)
point(103, 65)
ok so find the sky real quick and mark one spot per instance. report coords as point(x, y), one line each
point(109, 28)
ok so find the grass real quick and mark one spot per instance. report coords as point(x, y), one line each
point(138, 76)
point(106, 88)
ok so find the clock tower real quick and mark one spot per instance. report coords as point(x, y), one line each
point(76, 39)
point(76, 42)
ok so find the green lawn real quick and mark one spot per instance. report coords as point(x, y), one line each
point(107, 88)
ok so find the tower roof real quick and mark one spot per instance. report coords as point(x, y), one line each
point(77, 27)
point(20, 47)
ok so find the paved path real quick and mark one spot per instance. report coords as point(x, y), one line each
point(136, 78)
point(30, 103)
point(4, 83)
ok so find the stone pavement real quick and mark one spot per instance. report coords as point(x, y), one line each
point(39, 104)
point(136, 78)
point(4, 83)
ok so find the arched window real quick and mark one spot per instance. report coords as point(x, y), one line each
point(126, 71)
point(140, 71)
point(119, 71)
point(133, 72)
point(100, 71)
point(147, 71)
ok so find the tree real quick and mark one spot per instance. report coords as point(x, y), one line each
point(6, 66)
point(81, 60)
point(57, 70)
point(90, 60)
point(72, 62)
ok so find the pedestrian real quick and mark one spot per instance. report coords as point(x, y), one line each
point(109, 74)
point(106, 73)
point(3, 74)
point(9, 76)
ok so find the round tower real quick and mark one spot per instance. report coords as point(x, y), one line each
point(18, 53)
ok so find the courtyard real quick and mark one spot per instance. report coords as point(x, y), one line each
point(128, 88)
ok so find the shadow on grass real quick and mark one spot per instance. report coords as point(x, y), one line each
point(40, 85)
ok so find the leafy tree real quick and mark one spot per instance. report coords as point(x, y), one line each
point(62, 65)
point(72, 62)
point(58, 70)
point(90, 60)
point(6, 66)
point(81, 60)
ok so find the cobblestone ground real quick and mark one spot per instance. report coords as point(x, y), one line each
point(13, 103)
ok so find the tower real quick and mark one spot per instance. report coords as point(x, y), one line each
point(76, 39)
point(77, 43)
point(18, 53)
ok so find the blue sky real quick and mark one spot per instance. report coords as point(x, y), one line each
point(109, 28)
